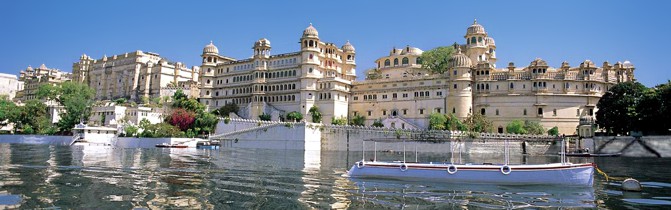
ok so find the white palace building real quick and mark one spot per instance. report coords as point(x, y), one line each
point(404, 94)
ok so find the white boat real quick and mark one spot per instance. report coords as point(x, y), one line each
point(563, 173)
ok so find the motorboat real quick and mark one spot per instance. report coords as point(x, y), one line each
point(208, 145)
point(587, 154)
point(562, 173)
point(166, 145)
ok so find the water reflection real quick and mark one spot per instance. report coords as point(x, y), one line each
point(42, 176)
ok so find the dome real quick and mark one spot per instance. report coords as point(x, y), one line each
point(475, 28)
point(459, 60)
point(210, 48)
point(627, 64)
point(395, 51)
point(262, 43)
point(490, 41)
point(347, 47)
point(538, 62)
point(587, 64)
point(411, 51)
point(310, 31)
point(45, 67)
point(30, 68)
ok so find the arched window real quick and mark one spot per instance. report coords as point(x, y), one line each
point(479, 39)
point(405, 61)
point(395, 61)
point(386, 63)
point(512, 85)
point(472, 40)
point(483, 111)
point(418, 60)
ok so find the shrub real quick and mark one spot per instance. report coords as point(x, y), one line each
point(554, 131)
point(377, 123)
point(264, 117)
point(294, 116)
point(339, 121)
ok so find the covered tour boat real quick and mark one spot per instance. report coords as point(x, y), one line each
point(562, 173)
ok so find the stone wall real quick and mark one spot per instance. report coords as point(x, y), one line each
point(36, 139)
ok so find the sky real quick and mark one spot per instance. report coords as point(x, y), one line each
point(56, 33)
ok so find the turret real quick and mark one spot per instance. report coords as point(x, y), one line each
point(460, 99)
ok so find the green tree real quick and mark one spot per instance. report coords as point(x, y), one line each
point(437, 121)
point(76, 98)
point(516, 127)
point(130, 130)
point(161, 130)
point(454, 124)
point(7, 109)
point(120, 101)
point(653, 109)
point(358, 120)
point(554, 131)
point(316, 115)
point(206, 122)
point(377, 123)
point(294, 116)
point(265, 117)
point(533, 127)
point(339, 121)
point(225, 110)
point(617, 108)
point(437, 59)
point(478, 123)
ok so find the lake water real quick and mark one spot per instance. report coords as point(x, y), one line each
point(44, 176)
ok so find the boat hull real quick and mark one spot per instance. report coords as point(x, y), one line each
point(542, 174)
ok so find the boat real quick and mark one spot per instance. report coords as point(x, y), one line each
point(208, 145)
point(562, 173)
point(587, 154)
point(166, 145)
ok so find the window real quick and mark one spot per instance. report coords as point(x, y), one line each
point(418, 60)
point(405, 111)
point(497, 112)
point(439, 93)
point(439, 110)
point(525, 112)
point(554, 112)
point(591, 112)
point(356, 98)
point(421, 111)
point(384, 112)
point(369, 113)
point(540, 111)
point(394, 95)
point(395, 61)
point(483, 111)
point(384, 96)
point(405, 95)
point(455, 86)
point(386, 63)
point(405, 61)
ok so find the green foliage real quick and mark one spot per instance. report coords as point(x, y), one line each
point(554, 131)
point(516, 127)
point(437, 121)
point(358, 120)
point(161, 130)
point(437, 59)
point(264, 117)
point(617, 109)
point(339, 121)
point(227, 120)
point(225, 110)
point(478, 123)
point(454, 124)
point(144, 100)
point(131, 130)
point(27, 129)
point(120, 101)
point(75, 97)
point(653, 109)
point(7, 110)
point(377, 123)
point(30, 118)
point(294, 116)
point(205, 122)
point(316, 115)
point(533, 127)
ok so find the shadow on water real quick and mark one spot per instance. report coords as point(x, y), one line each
point(43, 176)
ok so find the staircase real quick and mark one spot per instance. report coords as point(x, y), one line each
point(223, 135)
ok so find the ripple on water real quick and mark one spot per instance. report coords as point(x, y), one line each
point(647, 201)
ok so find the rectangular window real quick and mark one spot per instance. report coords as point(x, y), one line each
point(355, 113)
point(384, 112)
point(439, 93)
point(394, 96)
point(369, 113)
point(421, 111)
point(405, 112)
point(438, 110)
point(384, 96)
point(356, 98)
point(405, 95)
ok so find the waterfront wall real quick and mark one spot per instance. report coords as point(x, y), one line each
point(36, 139)
point(660, 144)
point(244, 133)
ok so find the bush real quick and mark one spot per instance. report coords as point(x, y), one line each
point(294, 116)
point(316, 115)
point(437, 121)
point(225, 110)
point(378, 123)
point(533, 127)
point(339, 121)
point(554, 131)
point(358, 120)
point(264, 117)
point(516, 127)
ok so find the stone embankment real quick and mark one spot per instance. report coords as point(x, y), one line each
point(646, 146)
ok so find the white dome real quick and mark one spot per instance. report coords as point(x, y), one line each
point(395, 51)
point(210, 49)
point(475, 28)
point(347, 47)
point(262, 43)
point(538, 62)
point(411, 51)
point(310, 31)
point(490, 41)
point(459, 60)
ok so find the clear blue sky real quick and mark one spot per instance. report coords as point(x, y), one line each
point(58, 32)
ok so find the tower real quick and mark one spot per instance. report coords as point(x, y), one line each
point(210, 57)
point(261, 54)
point(460, 98)
point(476, 47)
point(349, 52)
point(310, 70)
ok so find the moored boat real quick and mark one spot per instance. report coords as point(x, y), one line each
point(563, 173)
point(165, 145)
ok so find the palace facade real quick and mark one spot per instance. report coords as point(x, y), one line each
point(135, 75)
point(320, 74)
point(403, 94)
point(33, 78)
